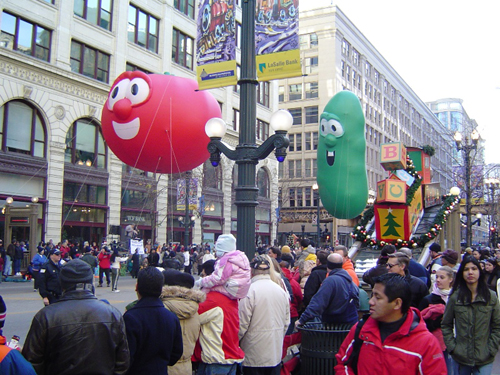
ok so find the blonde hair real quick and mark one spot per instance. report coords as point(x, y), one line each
point(275, 276)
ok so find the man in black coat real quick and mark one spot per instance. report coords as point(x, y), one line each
point(398, 263)
point(78, 334)
point(153, 332)
point(49, 286)
point(317, 276)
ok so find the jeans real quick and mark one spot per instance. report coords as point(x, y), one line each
point(17, 266)
point(216, 369)
point(7, 269)
point(475, 370)
point(115, 275)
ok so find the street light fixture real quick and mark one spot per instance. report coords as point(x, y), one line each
point(316, 195)
point(247, 154)
point(467, 145)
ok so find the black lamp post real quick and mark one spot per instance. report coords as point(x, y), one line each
point(467, 145)
point(187, 221)
point(492, 184)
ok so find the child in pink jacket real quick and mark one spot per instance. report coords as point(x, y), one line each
point(231, 275)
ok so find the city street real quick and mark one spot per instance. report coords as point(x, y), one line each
point(22, 303)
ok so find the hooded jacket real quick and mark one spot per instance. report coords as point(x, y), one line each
point(349, 268)
point(184, 303)
point(231, 276)
point(410, 350)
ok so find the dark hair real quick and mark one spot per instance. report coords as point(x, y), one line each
point(460, 285)
point(276, 251)
point(384, 254)
point(395, 287)
point(322, 255)
point(305, 242)
point(208, 266)
point(150, 282)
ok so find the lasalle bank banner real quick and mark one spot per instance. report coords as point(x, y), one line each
point(216, 44)
point(277, 39)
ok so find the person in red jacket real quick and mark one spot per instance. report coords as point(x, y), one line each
point(347, 265)
point(394, 339)
point(104, 259)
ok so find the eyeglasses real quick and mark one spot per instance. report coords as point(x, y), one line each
point(388, 265)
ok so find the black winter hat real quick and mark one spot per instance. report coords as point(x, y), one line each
point(174, 277)
point(76, 271)
point(435, 247)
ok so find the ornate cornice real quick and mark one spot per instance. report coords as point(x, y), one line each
point(62, 81)
point(23, 164)
point(87, 175)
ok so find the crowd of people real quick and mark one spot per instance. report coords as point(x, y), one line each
point(236, 316)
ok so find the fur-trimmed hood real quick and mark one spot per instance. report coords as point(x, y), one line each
point(183, 302)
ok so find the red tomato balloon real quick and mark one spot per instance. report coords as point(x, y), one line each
point(157, 122)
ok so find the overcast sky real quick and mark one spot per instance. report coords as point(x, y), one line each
point(441, 48)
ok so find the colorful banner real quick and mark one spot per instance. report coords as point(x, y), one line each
point(216, 44)
point(181, 194)
point(277, 39)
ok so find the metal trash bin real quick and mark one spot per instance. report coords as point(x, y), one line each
point(320, 343)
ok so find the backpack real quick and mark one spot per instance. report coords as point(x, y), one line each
point(356, 347)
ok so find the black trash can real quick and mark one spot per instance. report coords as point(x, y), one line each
point(320, 343)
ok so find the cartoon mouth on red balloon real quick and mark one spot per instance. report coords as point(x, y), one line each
point(127, 130)
point(330, 157)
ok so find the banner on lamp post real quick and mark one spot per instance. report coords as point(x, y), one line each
point(277, 45)
point(216, 44)
point(181, 194)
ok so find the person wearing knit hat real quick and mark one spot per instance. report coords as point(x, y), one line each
point(77, 320)
point(435, 262)
point(285, 249)
point(49, 286)
point(231, 275)
point(450, 258)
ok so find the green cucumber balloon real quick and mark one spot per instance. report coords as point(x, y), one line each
point(342, 179)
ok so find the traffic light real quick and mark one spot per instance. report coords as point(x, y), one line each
point(492, 229)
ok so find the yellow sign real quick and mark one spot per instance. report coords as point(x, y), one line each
point(392, 223)
point(217, 75)
point(278, 65)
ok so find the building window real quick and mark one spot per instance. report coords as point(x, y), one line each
point(22, 129)
point(212, 177)
point(236, 119)
point(97, 12)
point(85, 145)
point(25, 37)
point(315, 167)
point(376, 76)
point(299, 197)
point(355, 57)
point(128, 170)
point(307, 140)
point(291, 168)
point(311, 65)
point(298, 142)
point(298, 168)
point(345, 47)
point(262, 130)
point(131, 68)
point(291, 197)
point(368, 70)
point(313, 40)
point(281, 94)
point(291, 137)
point(263, 183)
point(185, 6)
point(307, 167)
point(263, 93)
point(315, 140)
point(297, 115)
point(311, 115)
point(295, 92)
point(182, 49)
point(311, 90)
point(84, 193)
point(307, 197)
point(89, 61)
point(142, 29)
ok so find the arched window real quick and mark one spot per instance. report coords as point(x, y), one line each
point(263, 183)
point(85, 144)
point(22, 129)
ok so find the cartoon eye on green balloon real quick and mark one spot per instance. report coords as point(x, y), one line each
point(342, 179)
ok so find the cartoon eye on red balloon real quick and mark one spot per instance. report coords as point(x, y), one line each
point(157, 122)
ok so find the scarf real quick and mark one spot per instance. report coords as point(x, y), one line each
point(443, 293)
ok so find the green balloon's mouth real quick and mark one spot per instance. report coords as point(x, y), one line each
point(330, 157)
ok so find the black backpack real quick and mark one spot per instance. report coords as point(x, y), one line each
point(356, 347)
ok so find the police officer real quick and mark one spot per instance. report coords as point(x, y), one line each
point(49, 287)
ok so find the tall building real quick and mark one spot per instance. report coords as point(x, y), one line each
point(336, 56)
point(58, 60)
